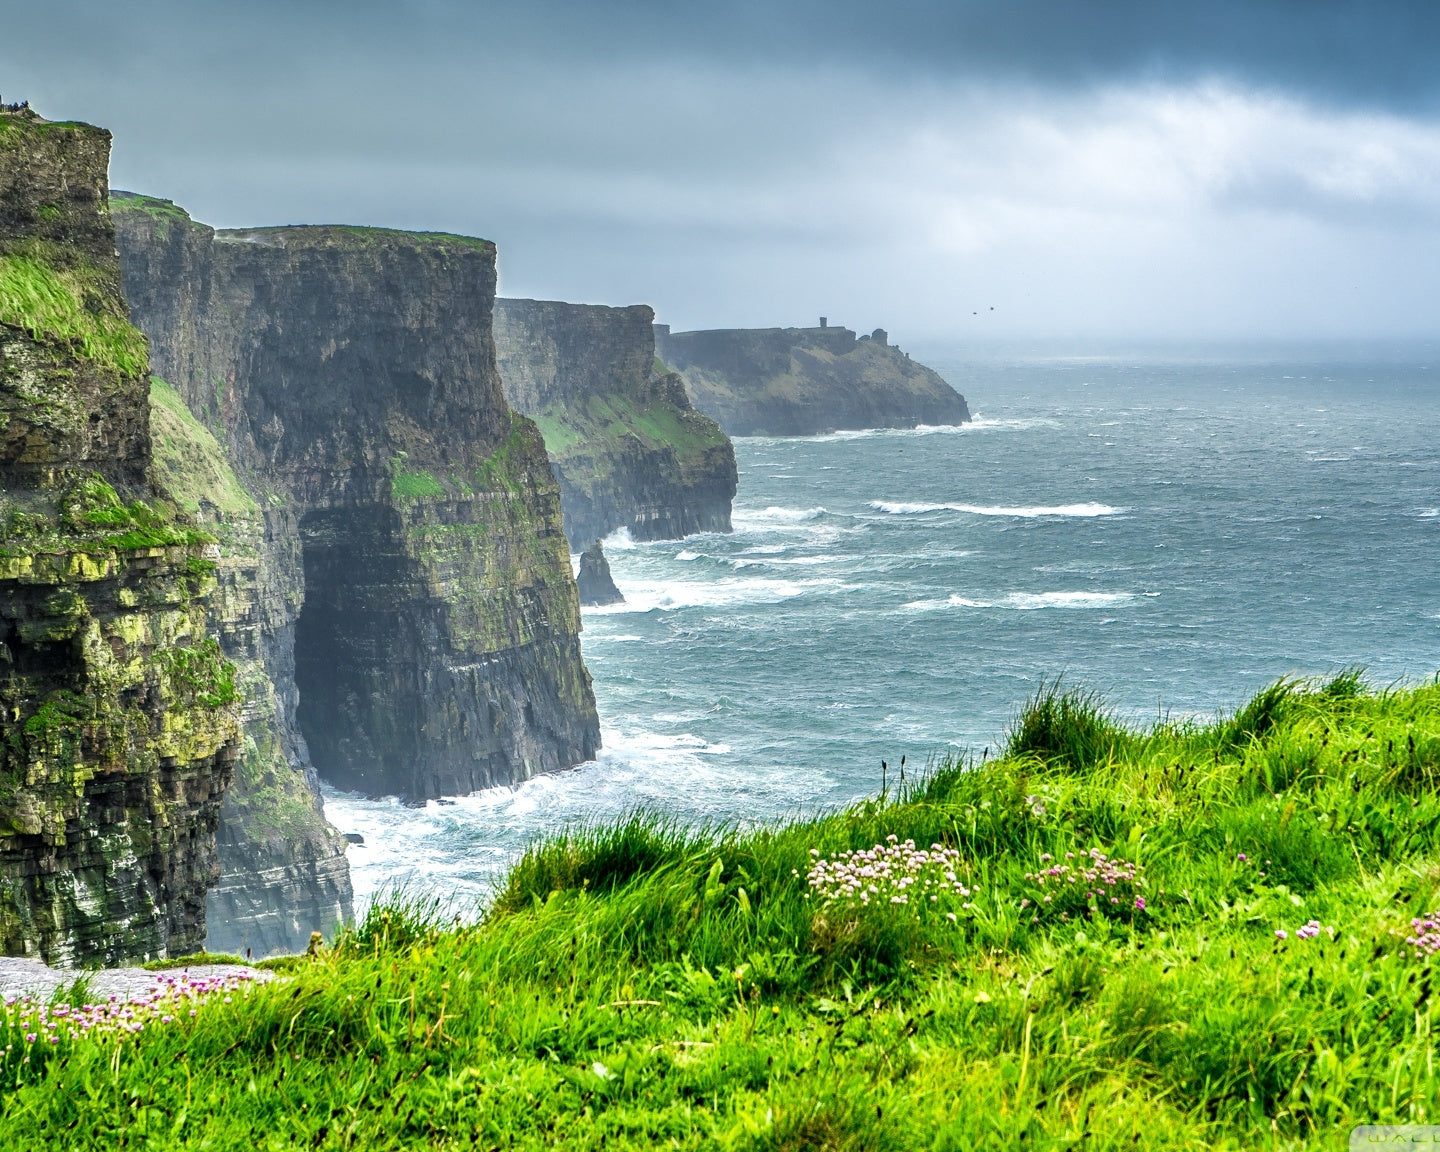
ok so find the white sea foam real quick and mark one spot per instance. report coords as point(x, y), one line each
point(948, 602)
point(785, 562)
point(1029, 600)
point(773, 518)
point(1030, 511)
point(1026, 601)
point(464, 846)
point(687, 555)
point(669, 595)
point(978, 424)
point(618, 541)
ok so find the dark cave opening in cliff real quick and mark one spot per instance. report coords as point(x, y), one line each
point(350, 665)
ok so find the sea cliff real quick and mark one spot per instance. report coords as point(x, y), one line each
point(415, 618)
point(627, 447)
point(118, 714)
point(806, 381)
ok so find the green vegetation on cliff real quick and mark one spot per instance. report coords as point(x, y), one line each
point(595, 424)
point(190, 465)
point(119, 712)
point(89, 516)
point(355, 236)
point(1243, 960)
point(73, 305)
point(163, 212)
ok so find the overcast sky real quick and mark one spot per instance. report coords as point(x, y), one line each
point(1213, 169)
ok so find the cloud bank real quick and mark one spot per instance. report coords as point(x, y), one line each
point(1126, 170)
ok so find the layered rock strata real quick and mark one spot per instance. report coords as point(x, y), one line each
point(416, 615)
point(283, 872)
point(118, 715)
point(627, 447)
point(806, 381)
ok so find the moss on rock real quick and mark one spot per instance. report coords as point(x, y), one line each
point(627, 447)
point(118, 718)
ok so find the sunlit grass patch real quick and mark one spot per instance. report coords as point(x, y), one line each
point(62, 304)
point(644, 985)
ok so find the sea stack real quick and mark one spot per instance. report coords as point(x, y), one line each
point(597, 586)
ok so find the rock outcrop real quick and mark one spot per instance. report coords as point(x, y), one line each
point(597, 586)
point(118, 715)
point(806, 381)
point(415, 615)
point(627, 447)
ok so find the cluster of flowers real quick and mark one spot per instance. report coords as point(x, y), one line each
point(1426, 938)
point(168, 1000)
point(1241, 858)
point(889, 873)
point(1306, 931)
point(1091, 880)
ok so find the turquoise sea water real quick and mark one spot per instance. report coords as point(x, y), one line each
point(1173, 532)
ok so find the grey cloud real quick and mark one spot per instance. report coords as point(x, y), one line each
point(747, 162)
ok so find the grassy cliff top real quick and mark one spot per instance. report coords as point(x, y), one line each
point(348, 236)
point(152, 206)
point(1183, 937)
point(28, 122)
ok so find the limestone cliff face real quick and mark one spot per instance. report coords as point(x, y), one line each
point(420, 623)
point(628, 448)
point(118, 716)
point(282, 866)
point(805, 381)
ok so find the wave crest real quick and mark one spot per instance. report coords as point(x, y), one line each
point(1021, 511)
point(1026, 601)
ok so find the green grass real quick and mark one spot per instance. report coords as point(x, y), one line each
point(166, 211)
point(357, 237)
point(189, 463)
point(66, 305)
point(414, 485)
point(602, 424)
point(646, 985)
point(89, 515)
point(191, 960)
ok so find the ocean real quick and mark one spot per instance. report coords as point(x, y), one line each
point(1172, 531)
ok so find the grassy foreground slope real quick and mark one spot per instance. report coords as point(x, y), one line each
point(644, 987)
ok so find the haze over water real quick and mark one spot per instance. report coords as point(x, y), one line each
point(1173, 532)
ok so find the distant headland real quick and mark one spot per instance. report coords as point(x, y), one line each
point(805, 381)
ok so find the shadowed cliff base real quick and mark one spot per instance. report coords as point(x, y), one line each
point(806, 381)
point(627, 447)
point(283, 872)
